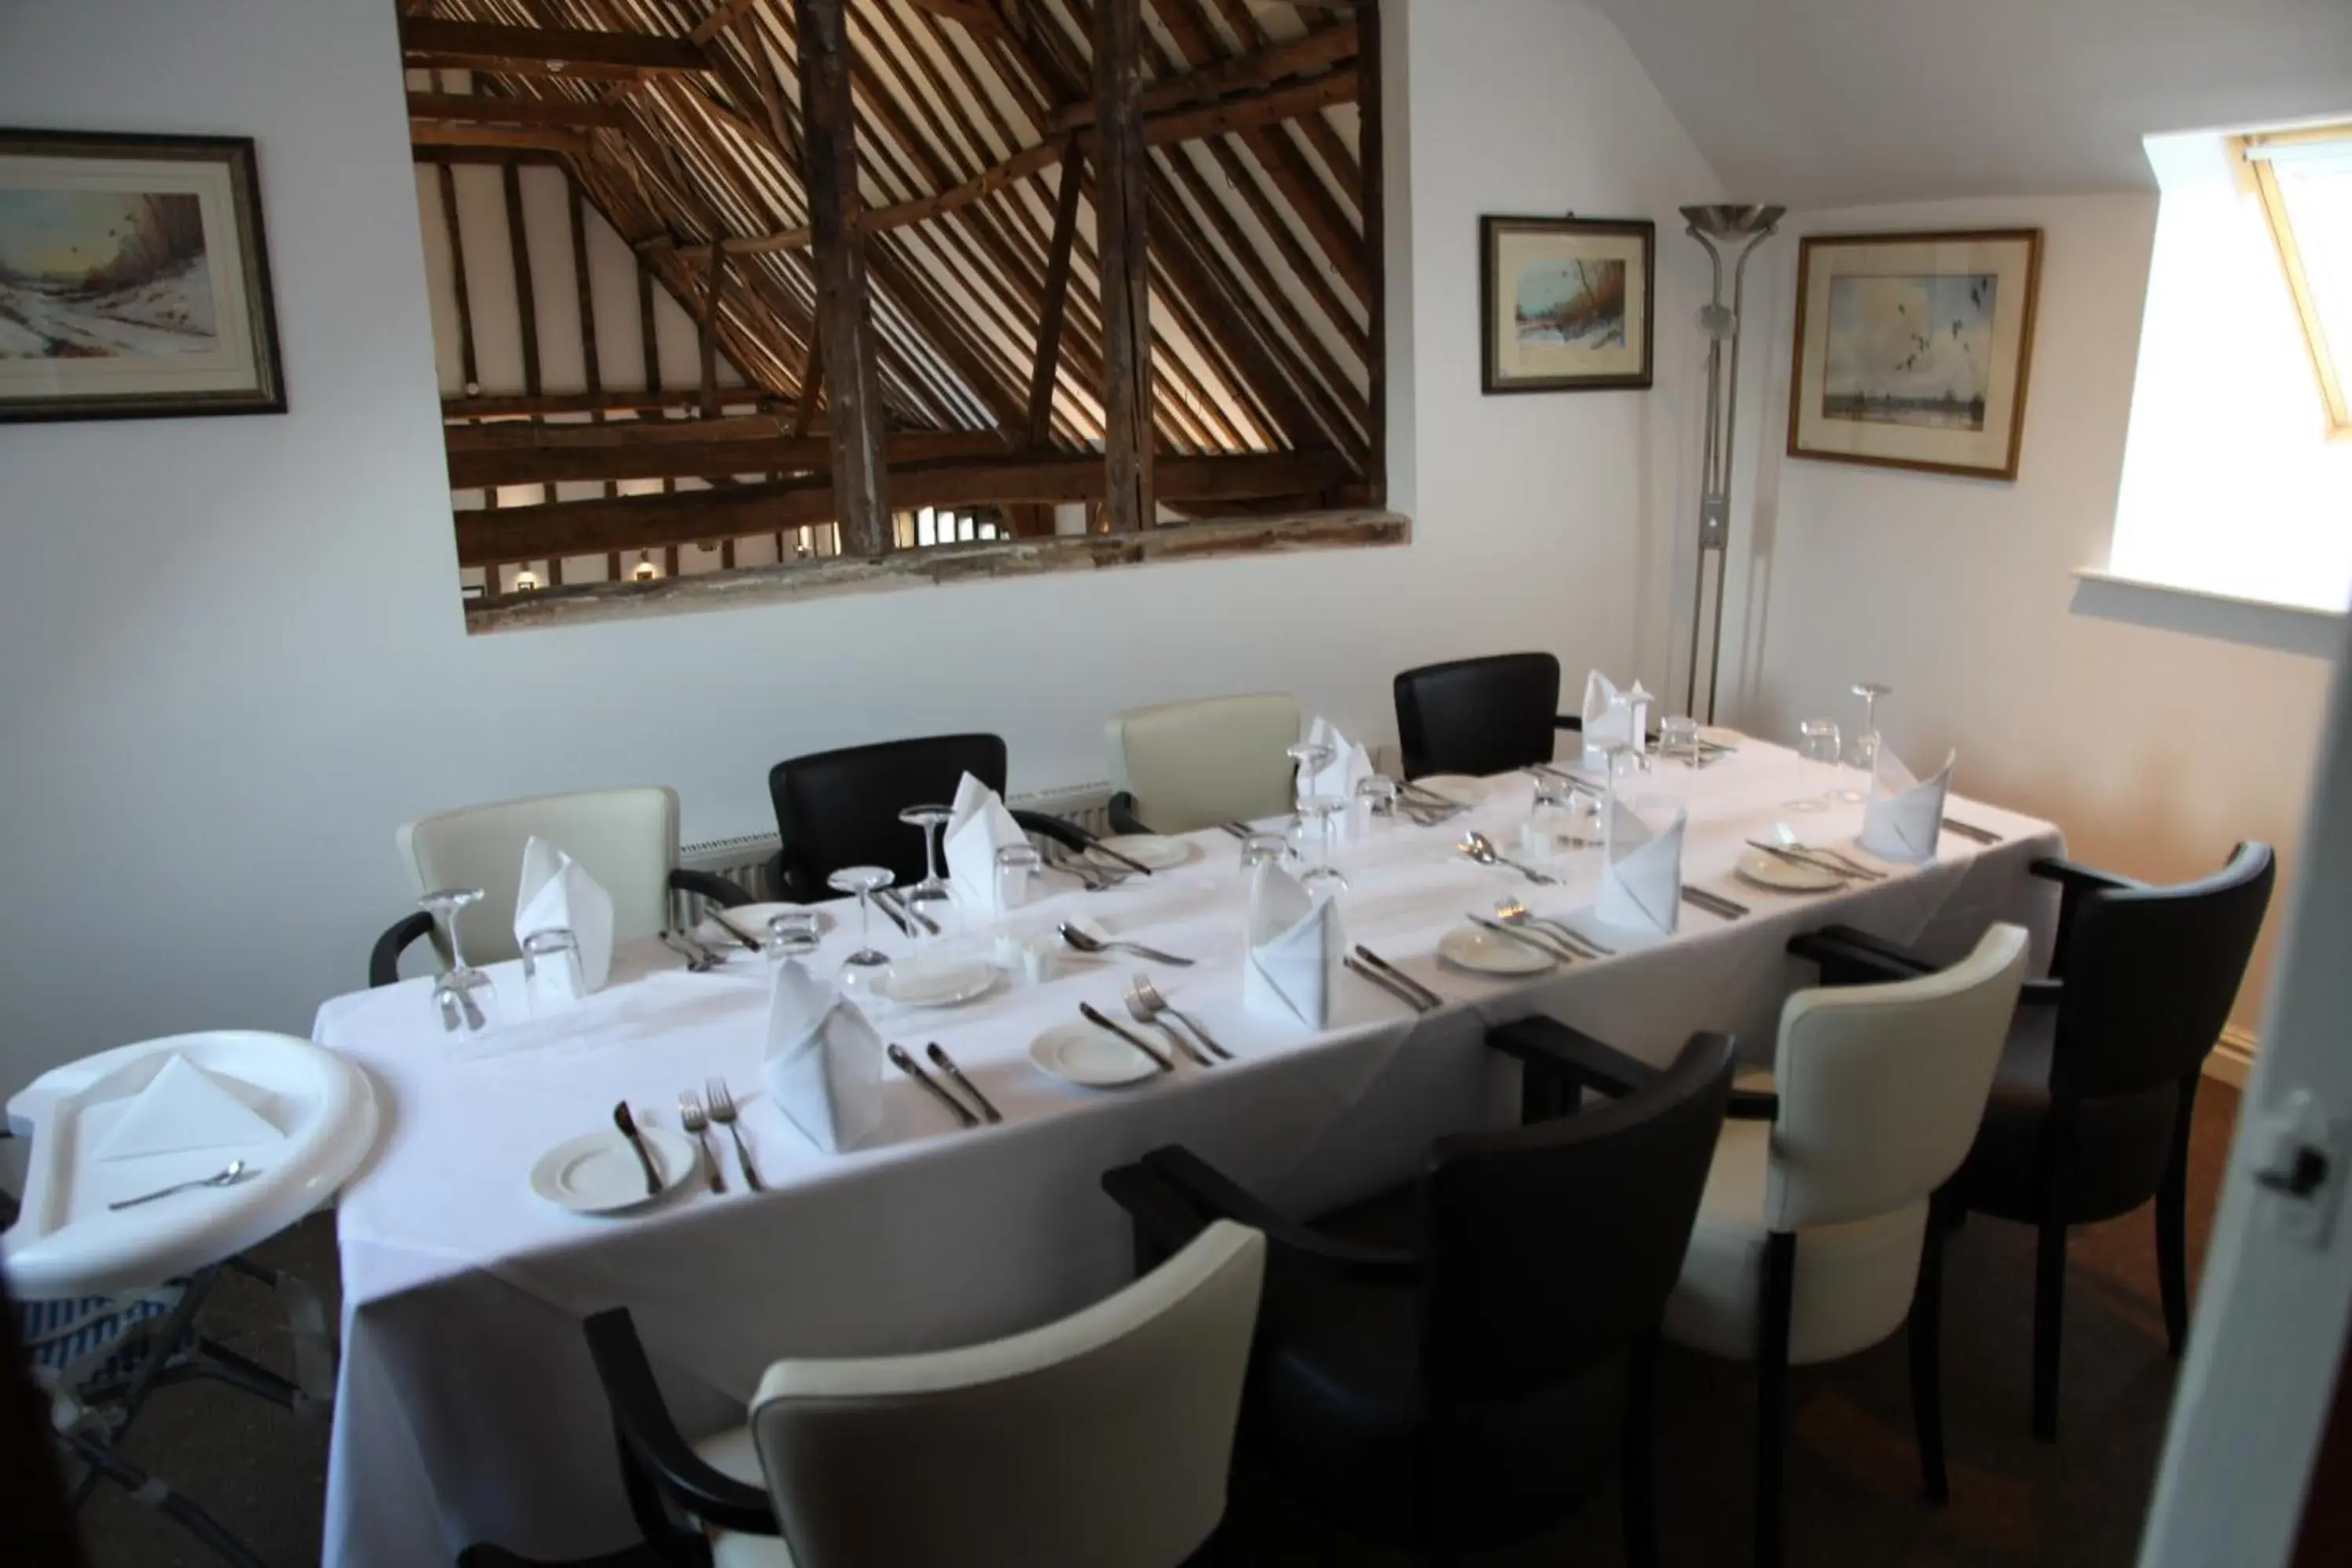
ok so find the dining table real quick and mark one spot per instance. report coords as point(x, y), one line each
point(467, 1409)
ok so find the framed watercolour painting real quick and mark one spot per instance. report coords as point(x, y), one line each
point(134, 280)
point(1569, 303)
point(1913, 349)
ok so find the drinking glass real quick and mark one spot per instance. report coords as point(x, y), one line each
point(552, 976)
point(1315, 814)
point(1016, 863)
point(1863, 754)
point(1309, 758)
point(1257, 849)
point(792, 934)
point(444, 905)
point(1818, 742)
point(1678, 737)
point(1614, 755)
point(930, 897)
point(1379, 794)
point(867, 970)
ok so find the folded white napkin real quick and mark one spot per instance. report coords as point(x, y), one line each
point(1612, 717)
point(1348, 767)
point(557, 895)
point(185, 1107)
point(824, 1065)
point(1641, 870)
point(1295, 942)
point(1904, 816)
point(978, 829)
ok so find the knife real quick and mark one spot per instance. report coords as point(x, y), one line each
point(1713, 903)
point(1088, 1011)
point(1400, 977)
point(1366, 971)
point(1804, 862)
point(946, 1064)
point(723, 924)
point(628, 1126)
point(906, 1064)
point(1097, 847)
point(913, 911)
point(882, 901)
point(1561, 954)
point(1969, 830)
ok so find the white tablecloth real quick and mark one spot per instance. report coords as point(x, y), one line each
point(467, 1409)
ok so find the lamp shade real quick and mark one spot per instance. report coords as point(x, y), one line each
point(1727, 221)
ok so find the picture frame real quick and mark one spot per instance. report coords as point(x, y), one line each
point(1567, 304)
point(134, 278)
point(1915, 349)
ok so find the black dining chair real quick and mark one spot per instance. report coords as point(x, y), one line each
point(2092, 1106)
point(1462, 1363)
point(841, 808)
point(1480, 716)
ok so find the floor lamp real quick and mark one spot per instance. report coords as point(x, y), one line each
point(1718, 228)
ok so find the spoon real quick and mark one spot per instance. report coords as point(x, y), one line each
point(1146, 1005)
point(1786, 837)
point(698, 962)
point(1512, 913)
point(226, 1176)
point(1086, 943)
point(1480, 848)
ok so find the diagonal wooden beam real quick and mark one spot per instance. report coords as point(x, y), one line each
point(1058, 299)
point(1331, 45)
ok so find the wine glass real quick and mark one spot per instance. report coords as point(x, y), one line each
point(1316, 812)
point(931, 895)
point(1818, 742)
point(462, 978)
point(1309, 758)
point(1678, 737)
point(867, 969)
point(1257, 849)
point(1863, 754)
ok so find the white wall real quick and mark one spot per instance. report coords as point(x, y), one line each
point(2154, 750)
point(205, 755)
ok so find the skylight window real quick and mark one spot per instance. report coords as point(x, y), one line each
point(2305, 179)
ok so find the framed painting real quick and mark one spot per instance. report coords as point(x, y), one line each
point(1569, 303)
point(134, 279)
point(1912, 350)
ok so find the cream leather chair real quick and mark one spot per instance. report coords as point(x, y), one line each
point(626, 838)
point(1103, 1439)
point(1182, 766)
point(1814, 1238)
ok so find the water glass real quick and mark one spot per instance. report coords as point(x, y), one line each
point(1818, 740)
point(1316, 814)
point(552, 976)
point(1378, 794)
point(1016, 866)
point(792, 934)
point(1678, 737)
point(1257, 849)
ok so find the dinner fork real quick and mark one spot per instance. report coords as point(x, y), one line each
point(722, 1111)
point(697, 1125)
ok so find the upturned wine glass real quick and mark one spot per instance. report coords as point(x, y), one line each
point(1309, 758)
point(444, 905)
point(1863, 753)
point(1316, 814)
point(866, 969)
point(931, 895)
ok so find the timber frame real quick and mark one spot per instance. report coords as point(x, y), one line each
point(954, 254)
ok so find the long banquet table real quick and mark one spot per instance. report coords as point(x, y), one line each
point(467, 1410)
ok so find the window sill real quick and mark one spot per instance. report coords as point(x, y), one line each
point(940, 564)
point(2167, 606)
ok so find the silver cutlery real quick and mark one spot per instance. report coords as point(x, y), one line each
point(1097, 847)
point(912, 910)
point(1143, 1012)
point(1238, 829)
point(697, 961)
point(1393, 973)
point(1481, 848)
point(1786, 837)
point(1365, 972)
point(890, 907)
point(1805, 862)
point(628, 1126)
point(946, 1064)
point(1969, 830)
point(1095, 878)
point(735, 934)
point(226, 1176)
point(722, 1111)
point(1713, 903)
point(907, 1065)
point(1141, 986)
point(1085, 943)
point(1512, 913)
point(1095, 1016)
point(1528, 938)
point(697, 1127)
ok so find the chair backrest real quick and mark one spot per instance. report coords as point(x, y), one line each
point(1477, 716)
point(1194, 765)
point(1548, 1249)
point(626, 838)
point(1103, 1439)
point(2152, 974)
point(841, 808)
point(1882, 1087)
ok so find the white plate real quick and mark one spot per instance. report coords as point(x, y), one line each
point(1476, 948)
point(1771, 871)
point(1147, 851)
point(1459, 788)
point(941, 982)
point(753, 919)
point(598, 1173)
point(1716, 735)
point(1089, 1057)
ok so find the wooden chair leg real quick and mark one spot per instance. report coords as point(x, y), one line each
point(1926, 1334)
point(2049, 1314)
point(1637, 1478)
point(2172, 1223)
point(1772, 1393)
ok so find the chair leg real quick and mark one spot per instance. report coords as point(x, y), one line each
point(1926, 1335)
point(1637, 1478)
point(1772, 1393)
point(2049, 1313)
point(2172, 1223)
point(149, 1489)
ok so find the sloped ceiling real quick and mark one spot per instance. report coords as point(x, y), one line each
point(1843, 102)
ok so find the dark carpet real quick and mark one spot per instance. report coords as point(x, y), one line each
point(1854, 1478)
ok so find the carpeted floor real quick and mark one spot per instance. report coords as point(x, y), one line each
point(1853, 1469)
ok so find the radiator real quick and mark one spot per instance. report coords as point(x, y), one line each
point(745, 861)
